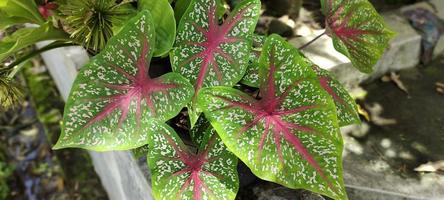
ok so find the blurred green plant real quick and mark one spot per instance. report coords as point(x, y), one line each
point(10, 93)
point(5, 172)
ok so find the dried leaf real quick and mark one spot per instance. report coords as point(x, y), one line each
point(375, 115)
point(431, 167)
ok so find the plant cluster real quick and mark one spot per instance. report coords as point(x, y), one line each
point(286, 132)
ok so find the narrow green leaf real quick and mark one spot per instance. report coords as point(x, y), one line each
point(197, 132)
point(140, 152)
point(178, 173)
point(251, 77)
point(7, 21)
point(120, 15)
point(114, 104)
point(210, 54)
point(180, 8)
point(193, 112)
point(28, 36)
point(358, 31)
point(291, 135)
point(165, 23)
point(23, 9)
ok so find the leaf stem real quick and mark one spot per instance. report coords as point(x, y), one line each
point(311, 41)
point(16, 63)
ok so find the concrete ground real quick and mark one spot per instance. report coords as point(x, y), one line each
point(406, 130)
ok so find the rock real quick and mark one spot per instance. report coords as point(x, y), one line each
point(278, 8)
point(271, 191)
point(246, 177)
point(278, 27)
point(295, 9)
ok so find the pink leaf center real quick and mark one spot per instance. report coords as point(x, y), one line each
point(267, 110)
point(342, 27)
point(140, 89)
point(214, 35)
point(194, 166)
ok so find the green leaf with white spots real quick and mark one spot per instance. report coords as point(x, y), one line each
point(346, 108)
point(208, 53)
point(114, 104)
point(251, 77)
point(164, 22)
point(197, 133)
point(140, 152)
point(358, 31)
point(178, 173)
point(291, 135)
point(193, 113)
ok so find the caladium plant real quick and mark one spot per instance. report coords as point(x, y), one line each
point(209, 53)
point(178, 173)
point(346, 108)
point(286, 132)
point(289, 136)
point(358, 31)
point(345, 105)
point(114, 104)
point(251, 77)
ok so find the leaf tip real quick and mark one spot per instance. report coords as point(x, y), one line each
point(58, 146)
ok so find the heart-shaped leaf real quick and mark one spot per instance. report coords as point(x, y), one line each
point(358, 31)
point(346, 107)
point(178, 173)
point(164, 21)
point(251, 77)
point(210, 54)
point(114, 104)
point(290, 136)
point(347, 110)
